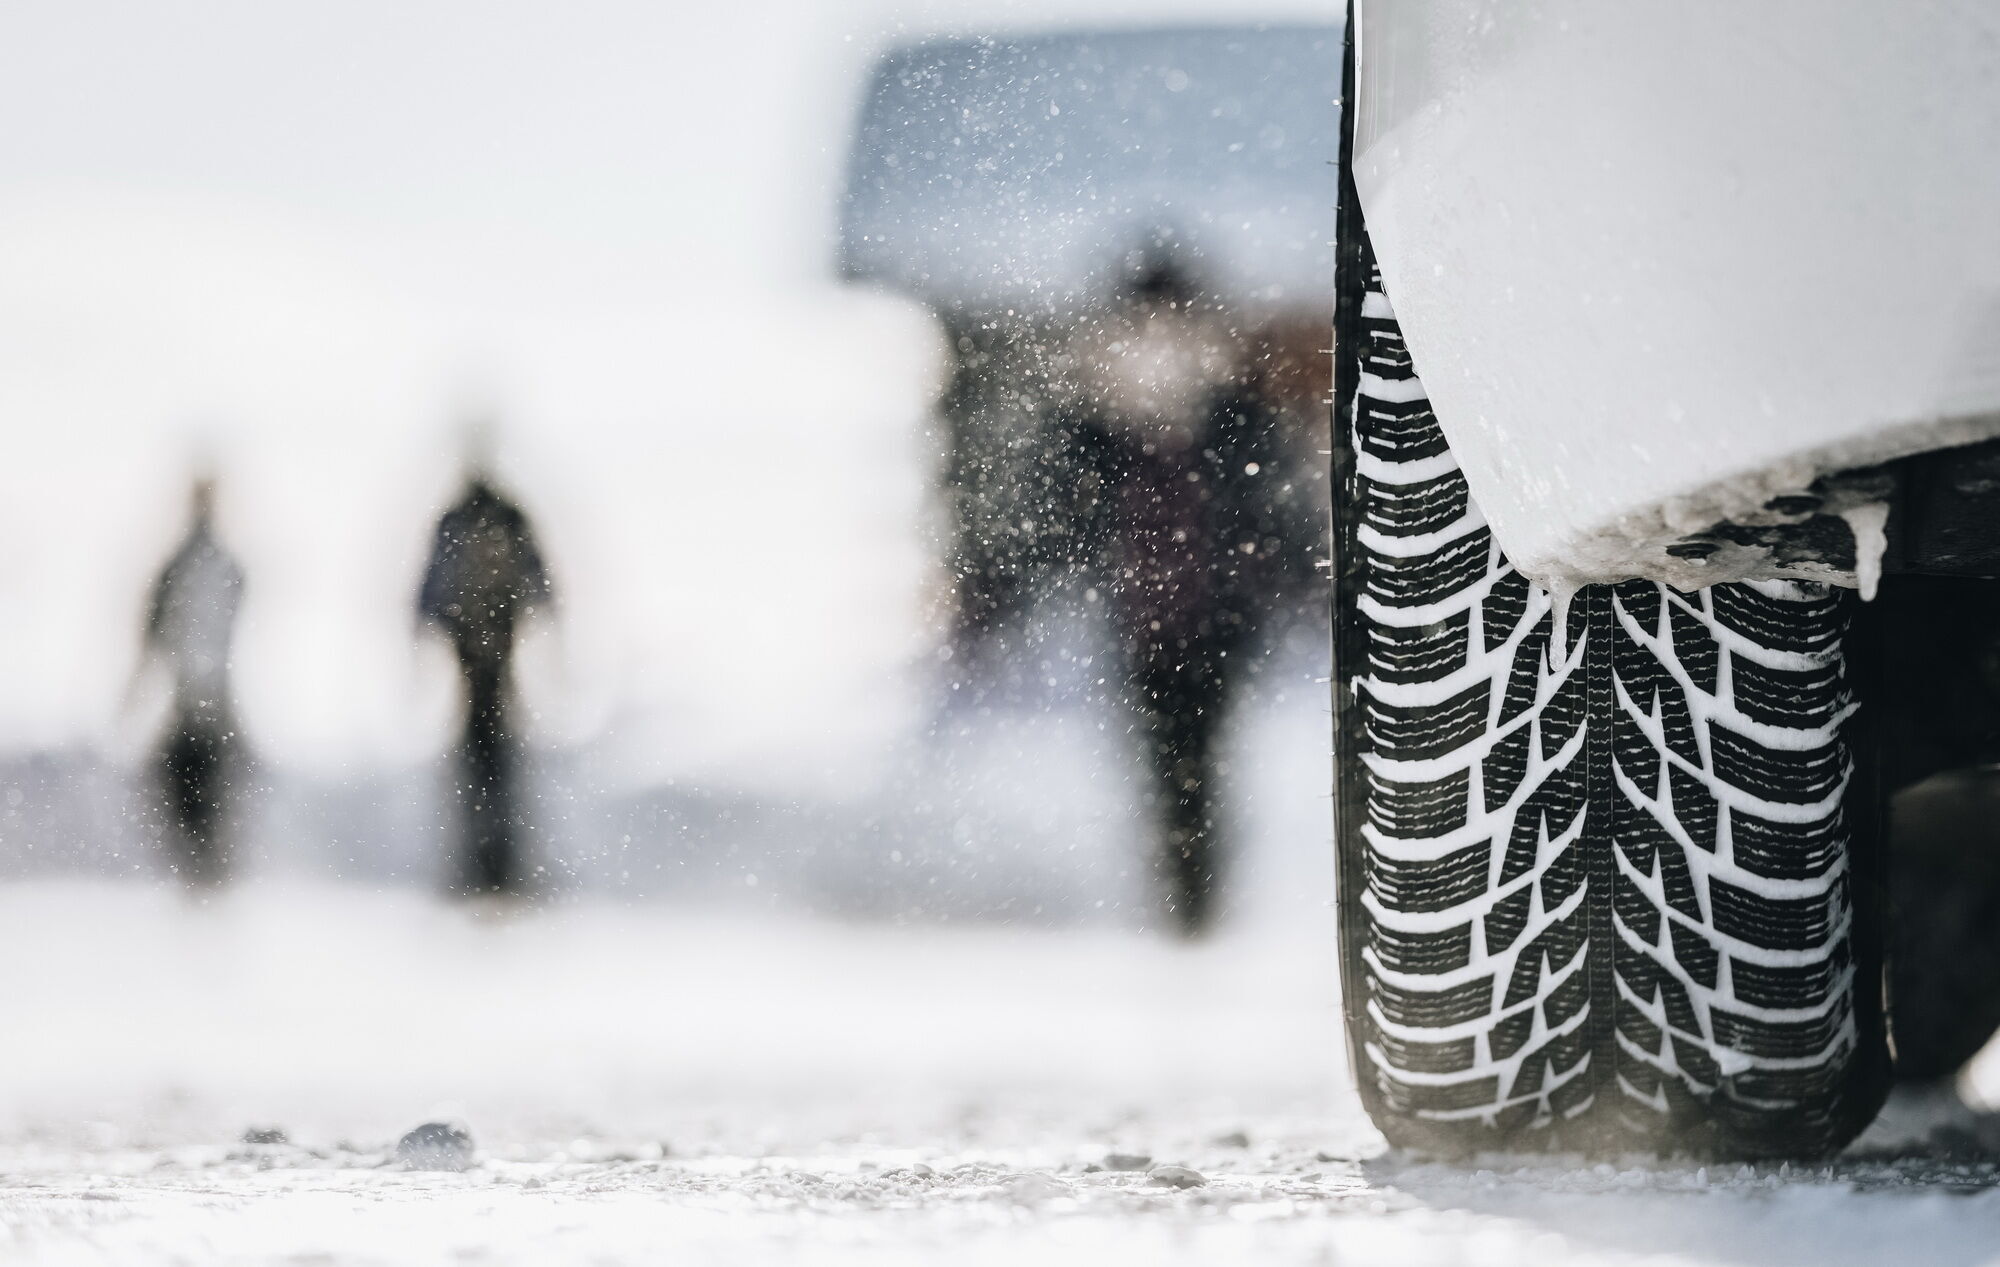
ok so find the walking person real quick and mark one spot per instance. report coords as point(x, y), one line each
point(1181, 444)
point(189, 629)
point(485, 575)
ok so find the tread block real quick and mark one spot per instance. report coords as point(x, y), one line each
point(1696, 956)
point(1786, 851)
point(1782, 616)
point(1435, 1009)
point(1635, 754)
point(1451, 1056)
point(1408, 510)
point(1794, 777)
point(1419, 811)
point(1771, 923)
point(1429, 886)
point(1566, 1000)
point(1641, 601)
point(1678, 723)
point(1511, 1032)
point(1776, 1040)
point(1786, 985)
point(1436, 730)
point(1635, 911)
point(1694, 807)
point(1503, 768)
point(1422, 653)
point(1695, 648)
point(1524, 677)
point(1501, 611)
point(1401, 430)
point(1508, 920)
point(1429, 953)
point(1562, 717)
point(1422, 1098)
point(1455, 567)
point(1798, 698)
point(1638, 1029)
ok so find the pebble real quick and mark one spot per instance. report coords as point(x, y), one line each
point(1033, 1187)
point(436, 1146)
point(265, 1135)
point(1233, 1139)
point(1126, 1161)
point(1177, 1177)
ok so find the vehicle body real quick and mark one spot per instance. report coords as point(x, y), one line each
point(1666, 263)
point(1662, 340)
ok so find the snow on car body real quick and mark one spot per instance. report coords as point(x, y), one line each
point(1664, 263)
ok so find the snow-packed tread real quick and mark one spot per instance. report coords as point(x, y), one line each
point(1599, 860)
point(1732, 904)
point(1472, 744)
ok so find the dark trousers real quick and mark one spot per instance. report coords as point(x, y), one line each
point(490, 850)
point(193, 765)
point(1181, 692)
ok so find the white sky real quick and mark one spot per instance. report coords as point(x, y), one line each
point(309, 236)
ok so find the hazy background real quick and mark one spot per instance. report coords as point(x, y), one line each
point(304, 244)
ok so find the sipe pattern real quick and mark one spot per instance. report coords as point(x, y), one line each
point(1596, 849)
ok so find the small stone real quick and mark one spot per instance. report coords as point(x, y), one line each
point(436, 1146)
point(1126, 1161)
point(265, 1135)
point(1034, 1187)
point(1177, 1177)
point(1233, 1139)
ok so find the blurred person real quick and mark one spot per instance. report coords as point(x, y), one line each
point(988, 178)
point(1180, 441)
point(189, 629)
point(484, 576)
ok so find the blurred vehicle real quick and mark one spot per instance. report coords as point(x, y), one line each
point(1636, 387)
point(1002, 181)
point(1120, 232)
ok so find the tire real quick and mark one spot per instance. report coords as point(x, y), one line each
point(1944, 902)
point(1605, 866)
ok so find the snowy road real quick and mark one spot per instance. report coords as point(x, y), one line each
point(648, 1086)
point(972, 1205)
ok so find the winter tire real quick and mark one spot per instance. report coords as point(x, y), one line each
point(1603, 864)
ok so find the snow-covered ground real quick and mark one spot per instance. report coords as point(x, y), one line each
point(645, 1083)
point(713, 1073)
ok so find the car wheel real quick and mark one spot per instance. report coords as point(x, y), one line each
point(1604, 864)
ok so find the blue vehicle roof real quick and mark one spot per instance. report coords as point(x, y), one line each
point(995, 173)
